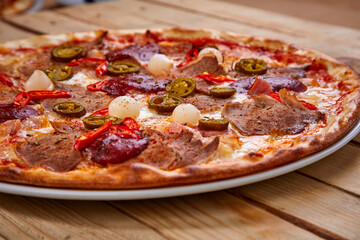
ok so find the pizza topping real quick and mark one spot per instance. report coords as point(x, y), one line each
point(57, 73)
point(11, 111)
point(181, 87)
point(165, 103)
point(121, 67)
point(38, 81)
point(309, 106)
point(222, 92)
point(115, 148)
point(207, 103)
point(191, 55)
point(292, 72)
point(243, 84)
point(160, 65)
point(124, 106)
point(7, 94)
point(121, 85)
point(260, 86)
point(101, 112)
point(50, 151)
point(142, 53)
point(186, 114)
point(93, 122)
point(66, 53)
point(251, 66)
point(69, 109)
point(264, 115)
point(5, 80)
point(206, 63)
point(22, 99)
point(215, 78)
point(170, 151)
point(90, 137)
point(213, 124)
point(212, 51)
point(77, 62)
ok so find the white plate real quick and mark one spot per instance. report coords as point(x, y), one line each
point(174, 191)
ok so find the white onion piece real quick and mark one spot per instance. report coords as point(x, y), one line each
point(38, 81)
point(186, 114)
point(124, 106)
point(159, 65)
point(212, 51)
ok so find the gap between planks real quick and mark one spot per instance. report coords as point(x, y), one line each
point(323, 233)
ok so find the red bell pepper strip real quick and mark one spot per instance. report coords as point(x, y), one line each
point(309, 106)
point(90, 137)
point(275, 96)
point(6, 80)
point(130, 123)
point(123, 131)
point(44, 94)
point(96, 86)
point(81, 60)
point(215, 78)
point(101, 112)
point(191, 55)
point(22, 99)
point(102, 68)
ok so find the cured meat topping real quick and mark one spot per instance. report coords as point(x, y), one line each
point(170, 151)
point(54, 152)
point(111, 148)
point(264, 115)
point(143, 83)
point(206, 63)
point(142, 53)
point(10, 111)
point(243, 84)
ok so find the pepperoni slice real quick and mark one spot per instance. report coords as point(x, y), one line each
point(112, 148)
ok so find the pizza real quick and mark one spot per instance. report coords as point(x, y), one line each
point(151, 108)
point(9, 7)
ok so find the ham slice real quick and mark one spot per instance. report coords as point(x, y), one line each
point(260, 86)
point(263, 115)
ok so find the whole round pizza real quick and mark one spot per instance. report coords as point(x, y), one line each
point(151, 108)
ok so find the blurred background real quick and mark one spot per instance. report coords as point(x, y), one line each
point(343, 13)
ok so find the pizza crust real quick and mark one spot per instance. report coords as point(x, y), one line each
point(139, 175)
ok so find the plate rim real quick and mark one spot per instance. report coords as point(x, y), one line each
point(137, 194)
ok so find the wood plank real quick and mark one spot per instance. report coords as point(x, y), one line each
point(35, 218)
point(190, 19)
point(105, 15)
point(216, 215)
point(310, 201)
point(50, 22)
point(270, 20)
point(340, 169)
point(8, 32)
point(345, 12)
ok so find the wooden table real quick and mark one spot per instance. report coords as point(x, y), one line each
point(319, 201)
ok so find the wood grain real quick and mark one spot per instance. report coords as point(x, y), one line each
point(217, 215)
point(310, 201)
point(35, 218)
point(8, 33)
point(50, 22)
point(177, 16)
point(340, 169)
point(269, 20)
